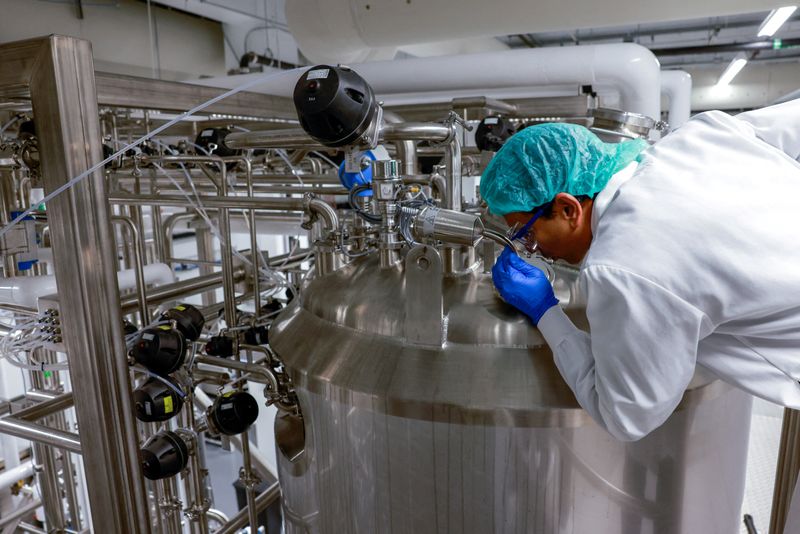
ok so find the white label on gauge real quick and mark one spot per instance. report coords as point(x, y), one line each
point(206, 133)
point(318, 74)
point(226, 406)
point(148, 337)
point(352, 161)
point(387, 191)
point(490, 120)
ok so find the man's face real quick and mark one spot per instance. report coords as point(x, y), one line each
point(566, 234)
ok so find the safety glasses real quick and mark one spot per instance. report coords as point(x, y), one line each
point(523, 235)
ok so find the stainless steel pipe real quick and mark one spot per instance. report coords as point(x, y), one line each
point(267, 497)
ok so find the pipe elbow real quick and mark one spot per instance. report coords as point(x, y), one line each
point(635, 70)
point(325, 212)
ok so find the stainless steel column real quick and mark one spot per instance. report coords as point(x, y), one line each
point(786, 471)
point(60, 76)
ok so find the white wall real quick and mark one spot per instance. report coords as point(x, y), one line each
point(188, 46)
point(262, 37)
point(755, 86)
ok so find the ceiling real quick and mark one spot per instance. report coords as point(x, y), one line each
point(687, 43)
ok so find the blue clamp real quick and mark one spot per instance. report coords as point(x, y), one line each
point(363, 177)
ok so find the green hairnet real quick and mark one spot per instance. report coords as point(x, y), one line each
point(543, 160)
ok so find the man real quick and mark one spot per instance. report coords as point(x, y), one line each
point(689, 256)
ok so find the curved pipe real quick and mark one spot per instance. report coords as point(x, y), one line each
point(406, 148)
point(324, 211)
point(676, 85)
point(629, 68)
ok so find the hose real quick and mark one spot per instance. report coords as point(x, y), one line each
point(351, 197)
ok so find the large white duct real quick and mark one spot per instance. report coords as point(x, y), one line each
point(676, 85)
point(629, 68)
point(343, 31)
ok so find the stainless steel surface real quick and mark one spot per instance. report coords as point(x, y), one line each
point(40, 434)
point(424, 324)
point(58, 73)
point(480, 434)
point(267, 497)
point(284, 138)
point(138, 262)
point(787, 470)
point(619, 125)
point(498, 238)
point(147, 93)
point(19, 513)
point(169, 292)
point(450, 226)
point(406, 149)
point(298, 138)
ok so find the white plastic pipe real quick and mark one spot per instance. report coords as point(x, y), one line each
point(26, 290)
point(344, 31)
point(12, 475)
point(630, 69)
point(676, 85)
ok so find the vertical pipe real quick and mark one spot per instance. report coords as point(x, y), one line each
point(138, 261)
point(453, 162)
point(47, 470)
point(787, 470)
point(63, 90)
point(226, 253)
point(247, 470)
point(205, 253)
point(195, 483)
point(405, 149)
point(255, 257)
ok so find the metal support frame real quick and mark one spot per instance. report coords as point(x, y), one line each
point(58, 74)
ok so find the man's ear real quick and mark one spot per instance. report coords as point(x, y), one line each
point(568, 208)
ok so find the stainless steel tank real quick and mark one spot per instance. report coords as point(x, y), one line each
point(431, 406)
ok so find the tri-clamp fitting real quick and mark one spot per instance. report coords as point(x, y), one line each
point(386, 184)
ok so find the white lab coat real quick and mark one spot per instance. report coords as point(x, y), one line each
point(695, 261)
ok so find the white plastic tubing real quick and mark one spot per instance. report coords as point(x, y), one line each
point(26, 290)
point(676, 85)
point(629, 68)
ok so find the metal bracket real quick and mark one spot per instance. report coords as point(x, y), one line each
point(425, 321)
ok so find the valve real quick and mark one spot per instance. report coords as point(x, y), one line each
point(232, 413)
point(335, 105)
point(188, 320)
point(165, 454)
point(212, 141)
point(221, 346)
point(162, 349)
point(156, 400)
point(492, 133)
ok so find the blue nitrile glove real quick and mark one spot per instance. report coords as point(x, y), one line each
point(522, 285)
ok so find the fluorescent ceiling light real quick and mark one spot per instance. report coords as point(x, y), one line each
point(775, 20)
point(733, 69)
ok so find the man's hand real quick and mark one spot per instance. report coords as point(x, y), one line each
point(522, 285)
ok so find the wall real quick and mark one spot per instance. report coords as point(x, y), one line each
point(188, 46)
point(757, 85)
point(260, 33)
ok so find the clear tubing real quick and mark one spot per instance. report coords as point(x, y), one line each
point(252, 83)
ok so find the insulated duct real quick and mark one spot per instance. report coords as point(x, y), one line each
point(676, 85)
point(629, 68)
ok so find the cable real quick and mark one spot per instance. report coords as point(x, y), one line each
point(351, 197)
point(73, 181)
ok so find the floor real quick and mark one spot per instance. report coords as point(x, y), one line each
point(223, 468)
point(765, 433)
